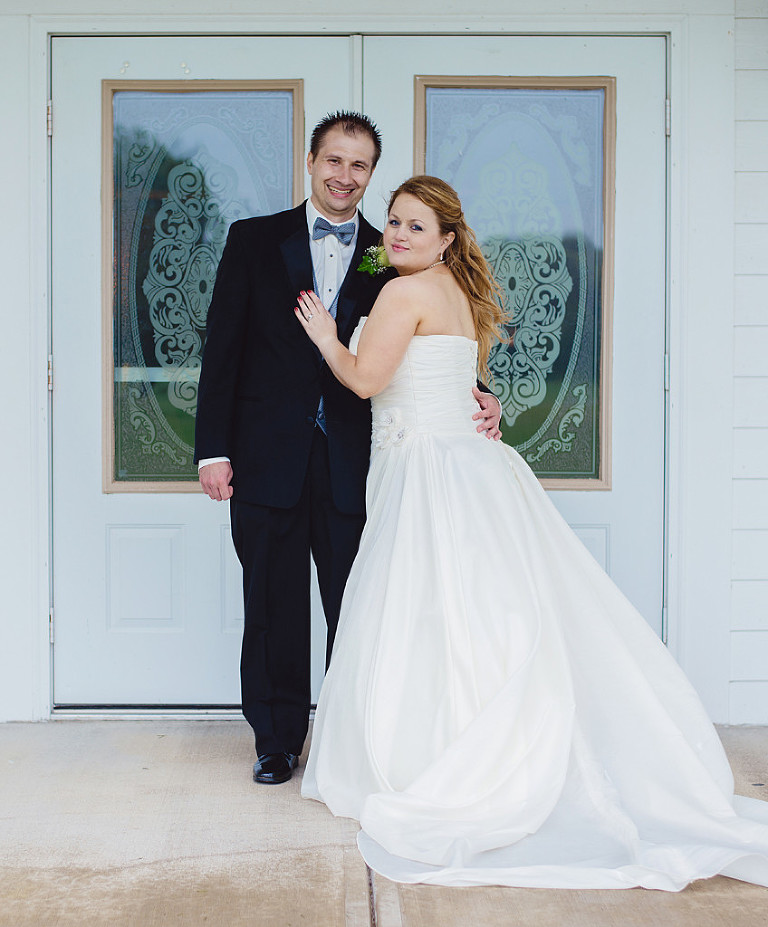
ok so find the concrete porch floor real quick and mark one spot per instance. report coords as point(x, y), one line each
point(143, 823)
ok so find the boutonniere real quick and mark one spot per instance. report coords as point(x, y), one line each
point(375, 260)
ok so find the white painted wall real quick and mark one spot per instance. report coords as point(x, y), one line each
point(23, 454)
point(703, 438)
point(749, 595)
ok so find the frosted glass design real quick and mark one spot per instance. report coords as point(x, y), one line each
point(528, 165)
point(186, 165)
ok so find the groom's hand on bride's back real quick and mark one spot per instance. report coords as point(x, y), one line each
point(489, 414)
point(215, 479)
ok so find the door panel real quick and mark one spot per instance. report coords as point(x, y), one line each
point(146, 585)
point(623, 527)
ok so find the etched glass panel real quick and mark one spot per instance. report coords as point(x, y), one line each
point(186, 165)
point(528, 164)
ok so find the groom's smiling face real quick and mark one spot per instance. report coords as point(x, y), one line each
point(340, 172)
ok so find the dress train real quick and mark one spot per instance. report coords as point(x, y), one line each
point(507, 718)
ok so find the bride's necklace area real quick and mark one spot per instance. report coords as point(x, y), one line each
point(441, 261)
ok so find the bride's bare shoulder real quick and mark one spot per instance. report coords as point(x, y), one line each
point(410, 287)
point(404, 299)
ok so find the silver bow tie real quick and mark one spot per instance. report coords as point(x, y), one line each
point(345, 232)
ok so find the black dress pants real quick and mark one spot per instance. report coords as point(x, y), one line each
point(274, 547)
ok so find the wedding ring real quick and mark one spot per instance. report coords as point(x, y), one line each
point(309, 317)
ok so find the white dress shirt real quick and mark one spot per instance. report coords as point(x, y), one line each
point(330, 263)
point(330, 258)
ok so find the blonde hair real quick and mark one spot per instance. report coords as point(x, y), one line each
point(465, 260)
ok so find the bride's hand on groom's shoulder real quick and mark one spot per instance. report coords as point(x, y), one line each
point(315, 319)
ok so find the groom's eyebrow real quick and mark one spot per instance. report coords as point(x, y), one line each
point(340, 157)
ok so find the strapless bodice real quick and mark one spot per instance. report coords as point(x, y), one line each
point(430, 392)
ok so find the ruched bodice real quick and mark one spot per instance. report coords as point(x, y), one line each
point(430, 392)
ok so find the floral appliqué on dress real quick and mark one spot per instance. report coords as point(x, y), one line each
point(388, 429)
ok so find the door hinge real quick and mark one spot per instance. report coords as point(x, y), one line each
point(666, 373)
point(50, 373)
point(664, 625)
point(49, 118)
point(667, 117)
point(50, 625)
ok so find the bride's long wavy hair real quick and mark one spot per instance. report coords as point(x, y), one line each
point(465, 260)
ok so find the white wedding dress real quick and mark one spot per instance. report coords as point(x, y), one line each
point(495, 711)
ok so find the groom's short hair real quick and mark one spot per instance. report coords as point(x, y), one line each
point(352, 124)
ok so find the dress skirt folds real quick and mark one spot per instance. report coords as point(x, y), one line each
point(496, 712)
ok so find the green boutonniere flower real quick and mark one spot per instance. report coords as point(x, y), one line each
point(375, 260)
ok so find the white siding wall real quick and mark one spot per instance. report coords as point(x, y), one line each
point(749, 597)
point(24, 666)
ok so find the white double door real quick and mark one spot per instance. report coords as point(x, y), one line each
point(146, 587)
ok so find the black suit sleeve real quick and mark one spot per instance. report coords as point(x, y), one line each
point(485, 389)
point(225, 337)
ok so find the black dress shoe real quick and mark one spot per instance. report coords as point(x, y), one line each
point(273, 768)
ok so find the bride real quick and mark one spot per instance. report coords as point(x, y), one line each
point(508, 718)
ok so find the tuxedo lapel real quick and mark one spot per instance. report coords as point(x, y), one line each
point(296, 254)
point(297, 258)
point(350, 287)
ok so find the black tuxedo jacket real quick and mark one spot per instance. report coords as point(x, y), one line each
point(262, 378)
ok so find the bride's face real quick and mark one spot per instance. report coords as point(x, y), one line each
point(412, 238)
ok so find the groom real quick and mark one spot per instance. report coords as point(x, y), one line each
point(279, 436)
